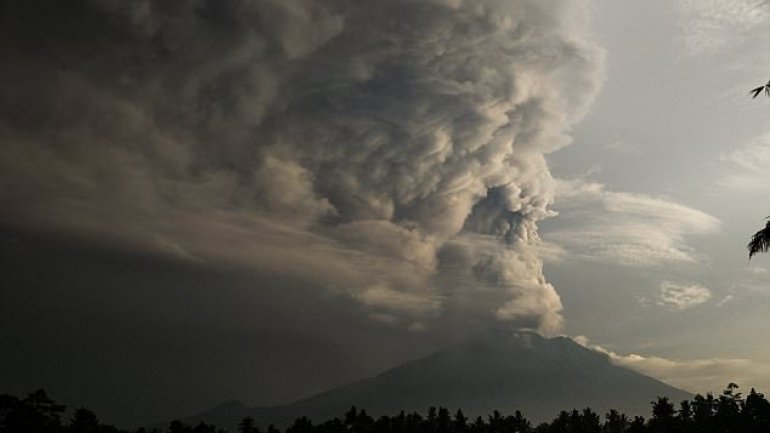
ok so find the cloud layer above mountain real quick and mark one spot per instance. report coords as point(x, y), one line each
point(694, 375)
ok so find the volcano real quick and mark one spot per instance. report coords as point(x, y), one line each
point(503, 371)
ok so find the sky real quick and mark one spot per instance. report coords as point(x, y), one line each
point(658, 195)
point(208, 200)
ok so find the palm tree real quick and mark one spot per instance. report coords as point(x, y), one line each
point(760, 242)
point(757, 90)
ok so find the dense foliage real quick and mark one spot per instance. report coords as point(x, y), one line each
point(729, 412)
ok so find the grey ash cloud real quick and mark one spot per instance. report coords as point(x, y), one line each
point(382, 150)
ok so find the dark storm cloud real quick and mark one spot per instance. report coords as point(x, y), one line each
point(388, 151)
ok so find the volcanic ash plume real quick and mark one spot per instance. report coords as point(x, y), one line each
point(388, 151)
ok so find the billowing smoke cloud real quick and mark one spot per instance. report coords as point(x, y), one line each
point(390, 151)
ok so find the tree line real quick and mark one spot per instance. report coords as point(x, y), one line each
point(729, 412)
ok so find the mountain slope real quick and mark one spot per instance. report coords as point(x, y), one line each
point(523, 371)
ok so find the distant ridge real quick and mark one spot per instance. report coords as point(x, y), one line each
point(506, 371)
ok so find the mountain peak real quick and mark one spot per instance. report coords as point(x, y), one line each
point(527, 343)
point(500, 370)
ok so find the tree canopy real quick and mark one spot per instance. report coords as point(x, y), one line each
point(727, 413)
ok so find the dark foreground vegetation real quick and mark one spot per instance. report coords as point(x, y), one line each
point(729, 412)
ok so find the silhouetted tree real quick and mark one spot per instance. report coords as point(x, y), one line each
point(478, 425)
point(615, 422)
point(729, 413)
point(757, 90)
point(662, 420)
point(177, 426)
point(703, 411)
point(590, 421)
point(84, 421)
point(460, 422)
point(760, 242)
point(431, 421)
point(202, 427)
point(637, 425)
point(685, 416)
point(755, 413)
point(301, 425)
point(247, 425)
point(334, 425)
point(443, 421)
point(36, 413)
point(518, 423)
point(350, 417)
point(495, 422)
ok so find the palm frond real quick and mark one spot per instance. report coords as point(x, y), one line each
point(760, 242)
point(755, 92)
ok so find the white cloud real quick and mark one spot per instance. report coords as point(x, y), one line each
point(694, 375)
point(625, 228)
point(745, 168)
point(682, 296)
point(710, 26)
